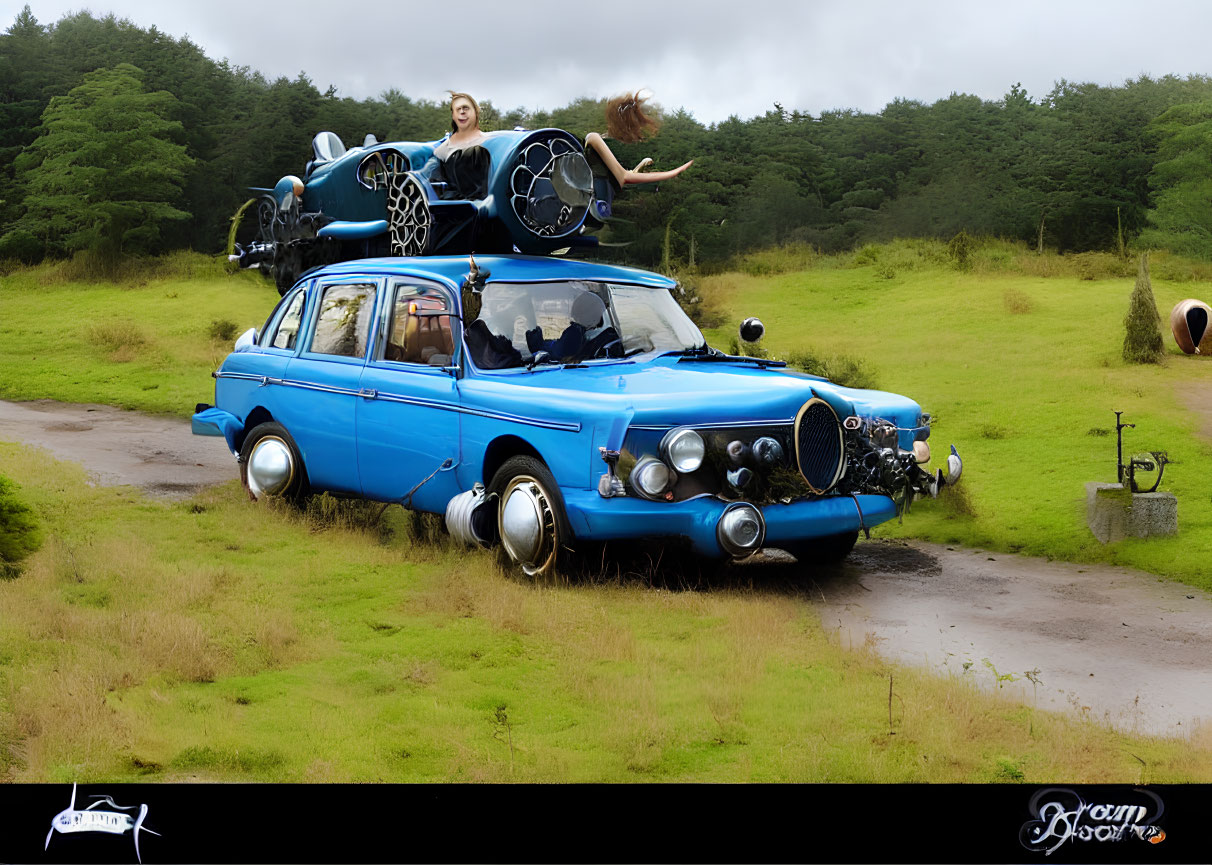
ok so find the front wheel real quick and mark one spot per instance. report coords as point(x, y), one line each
point(270, 464)
point(828, 550)
point(531, 523)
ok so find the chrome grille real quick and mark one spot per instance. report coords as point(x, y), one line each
point(819, 451)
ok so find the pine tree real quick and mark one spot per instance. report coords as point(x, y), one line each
point(1142, 325)
point(105, 173)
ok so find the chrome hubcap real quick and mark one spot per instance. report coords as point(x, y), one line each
point(527, 525)
point(271, 467)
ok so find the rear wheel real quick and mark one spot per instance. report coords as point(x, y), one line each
point(531, 522)
point(270, 464)
point(828, 550)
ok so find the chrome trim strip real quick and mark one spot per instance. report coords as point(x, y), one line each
point(247, 376)
point(716, 425)
point(562, 426)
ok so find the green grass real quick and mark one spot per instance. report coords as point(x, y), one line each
point(1022, 373)
point(150, 344)
point(219, 640)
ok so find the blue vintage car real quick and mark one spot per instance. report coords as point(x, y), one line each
point(547, 404)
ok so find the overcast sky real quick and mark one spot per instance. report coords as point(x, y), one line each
point(713, 59)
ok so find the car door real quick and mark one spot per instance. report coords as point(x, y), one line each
point(407, 410)
point(323, 381)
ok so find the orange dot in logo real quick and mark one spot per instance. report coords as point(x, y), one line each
point(1158, 838)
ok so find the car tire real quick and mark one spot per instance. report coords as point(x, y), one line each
point(271, 465)
point(828, 550)
point(531, 522)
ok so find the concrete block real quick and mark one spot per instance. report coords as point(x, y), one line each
point(1113, 513)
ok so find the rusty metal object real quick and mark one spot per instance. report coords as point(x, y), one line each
point(1191, 323)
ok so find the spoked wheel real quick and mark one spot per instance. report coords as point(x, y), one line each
point(408, 216)
point(270, 464)
point(532, 526)
point(828, 550)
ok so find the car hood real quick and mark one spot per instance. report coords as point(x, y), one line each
point(672, 391)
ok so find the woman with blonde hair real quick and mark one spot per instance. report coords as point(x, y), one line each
point(464, 161)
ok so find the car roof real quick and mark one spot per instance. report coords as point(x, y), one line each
point(453, 269)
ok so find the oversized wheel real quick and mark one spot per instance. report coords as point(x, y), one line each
point(828, 550)
point(270, 464)
point(408, 216)
point(531, 522)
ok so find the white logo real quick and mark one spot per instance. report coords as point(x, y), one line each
point(70, 820)
point(1061, 815)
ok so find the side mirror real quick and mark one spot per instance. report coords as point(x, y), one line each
point(247, 340)
point(752, 330)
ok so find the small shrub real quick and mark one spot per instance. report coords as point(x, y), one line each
point(122, 339)
point(886, 271)
point(1017, 302)
point(960, 250)
point(20, 529)
point(993, 431)
point(1142, 324)
point(223, 330)
point(788, 258)
point(1098, 431)
point(843, 369)
point(1008, 770)
point(868, 254)
point(692, 303)
point(1099, 265)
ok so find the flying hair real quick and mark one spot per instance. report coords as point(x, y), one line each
point(626, 120)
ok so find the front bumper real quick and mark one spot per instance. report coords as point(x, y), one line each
point(594, 518)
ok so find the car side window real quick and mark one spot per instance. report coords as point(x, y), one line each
point(287, 333)
point(343, 323)
point(420, 329)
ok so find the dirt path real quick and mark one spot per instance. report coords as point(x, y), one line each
point(1117, 645)
point(1111, 643)
point(157, 454)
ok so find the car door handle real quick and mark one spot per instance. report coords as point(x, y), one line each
point(367, 393)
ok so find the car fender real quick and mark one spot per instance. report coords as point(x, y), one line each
point(216, 422)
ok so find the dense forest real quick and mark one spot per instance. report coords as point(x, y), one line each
point(1084, 167)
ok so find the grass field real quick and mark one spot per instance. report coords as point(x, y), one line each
point(216, 640)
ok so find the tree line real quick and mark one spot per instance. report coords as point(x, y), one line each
point(124, 140)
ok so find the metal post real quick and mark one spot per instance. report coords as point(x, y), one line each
point(1119, 447)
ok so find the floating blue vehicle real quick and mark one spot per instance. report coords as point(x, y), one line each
point(533, 193)
point(547, 404)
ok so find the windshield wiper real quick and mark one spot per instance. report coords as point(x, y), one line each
point(711, 355)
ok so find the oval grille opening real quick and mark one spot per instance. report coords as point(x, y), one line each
point(818, 445)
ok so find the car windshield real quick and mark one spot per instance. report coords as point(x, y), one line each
point(575, 321)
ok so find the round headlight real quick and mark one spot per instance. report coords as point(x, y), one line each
point(741, 529)
point(651, 477)
point(683, 449)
